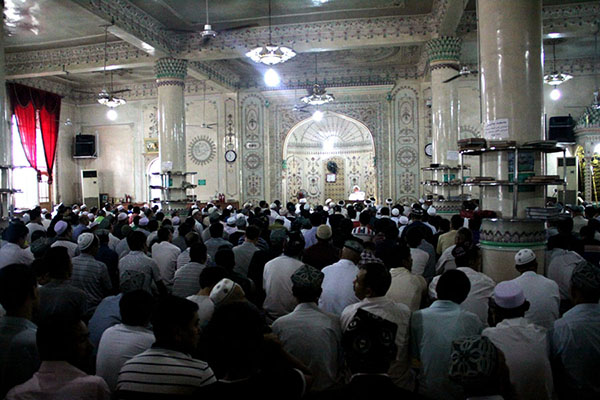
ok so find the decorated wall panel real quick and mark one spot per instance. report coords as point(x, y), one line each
point(252, 134)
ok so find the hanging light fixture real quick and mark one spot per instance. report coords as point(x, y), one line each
point(105, 97)
point(270, 54)
point(317, 95)
point(556, 78)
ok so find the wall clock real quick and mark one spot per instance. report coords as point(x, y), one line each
point(202, 150)
point(428, 149)
point(230, 156)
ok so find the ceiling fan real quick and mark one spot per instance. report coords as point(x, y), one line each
point(463, 71)
point(209, 33)
point(107, 97)
point(204, 125)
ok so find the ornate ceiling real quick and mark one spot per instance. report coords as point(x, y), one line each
point(59, 44)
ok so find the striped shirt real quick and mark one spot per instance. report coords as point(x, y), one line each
point(91, 276)
point(163, 371)
point(187, 279)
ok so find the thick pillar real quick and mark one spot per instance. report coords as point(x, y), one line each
point(511, 73)
point(444, 54)
point(5, 144)
point(170, 76)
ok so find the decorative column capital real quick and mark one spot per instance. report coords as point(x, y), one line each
point(170, 71)
point(443, 50)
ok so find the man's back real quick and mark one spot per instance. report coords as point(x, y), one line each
point(525, 350)
point(138, 271)
point(407, 288)
point(320, 255)
point(277, 284)
point(213, 245)
point(187, 279)
point(163, 371)
point(338, 288)
point(243, 255)
point(19, 357)
point(432, 331)
point(62, 298)
point(561, 268)
point(314, 337)
point(165, 255)
point(543, 297)
point(91, 276)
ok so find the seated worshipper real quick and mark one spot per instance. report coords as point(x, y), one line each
point(19, 357)
point(58, 296)
point(541, 292)
point(260, 259)
point(420, 258)
point(591, 246)
point(106, 315)
point(524, 344)
point(109, 257)
point(35, 223)
point(226, 260)
point(216, 240)
point(137, 270)
point(432, 331)
point(310, 235)
point(406, 287)
point(310, 334)
point(64, 237)
point(213, 218)
point(364, 232)
point(248, 363)
point(322, 253)
point(240, 224)
point(370, 286)
point(121, 342)
point(84, 222)
point(565, 238)
point(65, 351)
point(369, 351)
point(244, 252)
point(122, 248)
point(89, 274)
point(15, 250)
point(575, 338)
point(279, 299)
point(482, 286)
point(338, 286)
point(579, 221)
point(167, 369)
point(141, 226)
point(447, 239)
point(446, 262)
point(185, 282)
point(368, 254)
point(560, 269)
point(480, 369)
point(165, 255)
point(184, 257)
point(153, 236)
point(209, 277)
point(179, 239)
point(39, 244)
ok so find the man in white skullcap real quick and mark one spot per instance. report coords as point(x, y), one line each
point(574, 340)
point(541, 293)
point(356, 194)
point(89, 274)
point(396, 216)
point(143, 225)
point(63, 238)
point(524, 344)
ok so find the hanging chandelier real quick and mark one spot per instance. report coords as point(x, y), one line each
point(109, 100)
point(556, 78)
point(270, 54)
point(317, 95)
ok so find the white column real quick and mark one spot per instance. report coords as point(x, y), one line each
point(5, 139)
point(170, 76)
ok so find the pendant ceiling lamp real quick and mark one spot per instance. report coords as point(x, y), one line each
point(317, 95)
point(556, 78)
point(270, 54)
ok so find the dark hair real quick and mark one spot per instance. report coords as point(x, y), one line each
point(152, 225)
point(225, 258)
point(163, 234)
point(216, 230)
point(453, 285)
point(315, 219)
point(364, 218)
point(171, 311)
point(198, 252)
point(564, 224)
point(17, 284)
point(58, 261)
point(136, 240)
point(252, 232)
point(56, 338)
point(16, 231)
point(414, 236)
point(294, 245)
point(184, 229)
point(35, 214)
point(466, 234)
point(136, 307)
point(37, 234)
point(191, 238)
point(456, 222)
point(377, 278)
point(210, 276)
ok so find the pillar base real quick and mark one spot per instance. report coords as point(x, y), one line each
point(501, 239)
point(447, 208)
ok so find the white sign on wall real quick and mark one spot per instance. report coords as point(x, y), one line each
point(496, 129)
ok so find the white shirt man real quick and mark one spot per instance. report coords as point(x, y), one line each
point(482, 288)
point(406, 288)
point(446, 261)
point(165, 255)
point(420, 259)
point(12, 253)
point(338, 290)
point(277, 283)
point(561, 268)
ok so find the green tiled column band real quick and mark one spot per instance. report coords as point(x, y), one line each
point(589, 118)
point(171, 68)
point(444, 49)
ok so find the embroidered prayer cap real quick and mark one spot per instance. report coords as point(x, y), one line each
point(354, 245)
point(196, 211)
point(508, 294)
point(524, 256)
point(307, 277)
point(226, 290)
point(586, 276)
point(231, 221)
point(144, 221)
point(431, 211)
point(324, 232)
point(85, 240)
point(473, 358)
point(60, 227)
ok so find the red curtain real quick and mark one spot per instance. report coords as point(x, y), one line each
point(27, 104)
